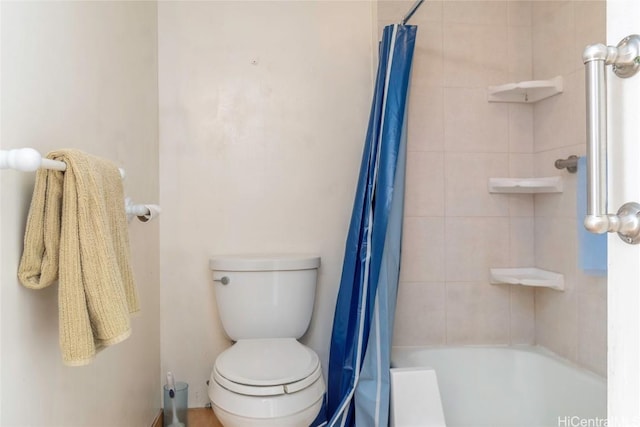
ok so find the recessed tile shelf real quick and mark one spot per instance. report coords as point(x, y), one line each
point(526, 92)
point(528, 277)
point(551, 184)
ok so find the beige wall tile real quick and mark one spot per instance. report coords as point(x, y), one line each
point(591, 284)
point(466, 184)
point(521, 205)
point(592, 333)
point(559, 205)
point(553, 39)
point(471, 124)
point(428, 56)
point(521, 128)
point(423, 249)
point(473, 246)
point(474, 55)
point(578, 111)
point(420, 314)
point(522, 320)
point(542, 10)
point(430, 11)
point(426, 118)
point(521, 242)
point(557, 322)
point(475, 12)
point(477, 313)
point(520, 53)
point(519, 13)
point(424, 184)
point(556, 246)
point(521, 165)
point(393, 10)
point(555, 118)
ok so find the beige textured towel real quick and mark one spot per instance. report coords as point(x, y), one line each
point(77, 234)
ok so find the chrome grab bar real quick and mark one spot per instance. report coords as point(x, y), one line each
point(625, 59)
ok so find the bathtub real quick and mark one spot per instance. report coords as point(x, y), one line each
point(509, 386)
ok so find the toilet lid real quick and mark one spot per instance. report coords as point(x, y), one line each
point(267, 362)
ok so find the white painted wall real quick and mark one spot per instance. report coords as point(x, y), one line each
point(263, 113)
point(624, 260)
point(82, 75)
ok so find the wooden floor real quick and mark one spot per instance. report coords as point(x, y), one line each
point(202, 417)
point(197, 417)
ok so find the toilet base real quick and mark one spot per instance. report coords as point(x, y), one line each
point(299, 419)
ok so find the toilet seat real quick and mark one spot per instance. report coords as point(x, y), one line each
point(249, 390)
point(267, 367)
point(278, 384)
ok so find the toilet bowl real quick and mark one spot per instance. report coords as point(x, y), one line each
point(266, 378)
point(267, 382)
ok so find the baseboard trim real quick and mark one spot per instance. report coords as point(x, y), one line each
point(157, 422)
point(196, 417)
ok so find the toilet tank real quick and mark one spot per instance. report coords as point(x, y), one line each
point(265, 296)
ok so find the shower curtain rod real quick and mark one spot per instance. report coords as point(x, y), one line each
point(413, 9)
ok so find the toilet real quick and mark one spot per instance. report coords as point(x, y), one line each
point(266, 378)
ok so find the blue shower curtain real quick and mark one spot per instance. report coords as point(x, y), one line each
point(358, 380)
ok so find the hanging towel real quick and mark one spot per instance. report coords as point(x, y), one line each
point(77, 234)
point(592, 248)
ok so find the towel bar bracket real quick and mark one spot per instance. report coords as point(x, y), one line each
point(570, 164)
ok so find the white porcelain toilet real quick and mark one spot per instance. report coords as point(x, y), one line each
point(267, 378)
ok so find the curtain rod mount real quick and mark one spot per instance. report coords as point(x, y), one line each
point(411, 11)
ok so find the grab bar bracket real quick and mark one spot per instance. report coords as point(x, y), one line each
point(628, 61)
point(629, 230)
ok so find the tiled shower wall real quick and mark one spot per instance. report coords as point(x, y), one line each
point(455, 231)
point(573, 323)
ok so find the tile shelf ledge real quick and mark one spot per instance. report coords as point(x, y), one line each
point(550, 184)
point(526, 92)
point(527, 277)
